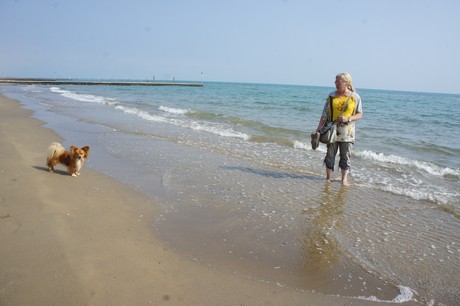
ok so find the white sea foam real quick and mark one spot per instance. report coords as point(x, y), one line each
point(142, 114)
point(82, 97)
point(406, 294)
point(398, 160)
point(218, 130)
point(418, 193)
point(176, 111)
point(301, 145)
point(194, 125)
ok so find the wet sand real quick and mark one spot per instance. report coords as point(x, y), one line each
point(89, 240)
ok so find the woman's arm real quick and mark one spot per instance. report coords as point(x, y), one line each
point(324, 114)
point(344, 119)
point(355, 117)
point(320, 124)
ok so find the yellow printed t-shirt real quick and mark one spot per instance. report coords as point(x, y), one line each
point(337, 105)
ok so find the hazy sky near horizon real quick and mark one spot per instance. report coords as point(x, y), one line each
point(410, 45)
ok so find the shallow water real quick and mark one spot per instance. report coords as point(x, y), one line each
point(239, 188)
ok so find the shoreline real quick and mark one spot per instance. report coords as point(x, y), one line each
point(89, 240)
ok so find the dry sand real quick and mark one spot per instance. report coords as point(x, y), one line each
point(89, 240)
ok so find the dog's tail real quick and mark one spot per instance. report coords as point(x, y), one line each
point(55, 150)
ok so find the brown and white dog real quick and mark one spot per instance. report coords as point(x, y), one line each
point(73, 160)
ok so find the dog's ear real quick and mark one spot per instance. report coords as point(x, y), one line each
point(86, 149)
point(73, 148)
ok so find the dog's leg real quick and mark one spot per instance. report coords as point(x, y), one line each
point(50, 166)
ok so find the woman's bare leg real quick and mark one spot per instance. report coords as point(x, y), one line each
point(328, 174)
point(345, 178)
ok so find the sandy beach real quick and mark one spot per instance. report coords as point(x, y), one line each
point(89, 240)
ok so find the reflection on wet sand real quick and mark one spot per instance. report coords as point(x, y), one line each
point(319, 247)
point(323, 260)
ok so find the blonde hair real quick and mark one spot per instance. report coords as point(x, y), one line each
point(347, 78)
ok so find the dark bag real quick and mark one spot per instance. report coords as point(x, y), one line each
point(328, 133)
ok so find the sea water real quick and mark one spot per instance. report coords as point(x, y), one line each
point(232, 169)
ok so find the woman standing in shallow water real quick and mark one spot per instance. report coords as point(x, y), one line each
point(346, 109)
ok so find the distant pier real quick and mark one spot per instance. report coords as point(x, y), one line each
point(24, 81)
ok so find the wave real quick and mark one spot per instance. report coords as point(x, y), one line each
point(263, 133)
point(246, 123)
point(196, 126)
point(84, 98)
point(302, 145)
point(418, 180)
point(218, 130)
point(142, 114)
point(429, 168)
point(175, 111)
point(441, 197)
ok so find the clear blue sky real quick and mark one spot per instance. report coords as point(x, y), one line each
point(411, 45)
